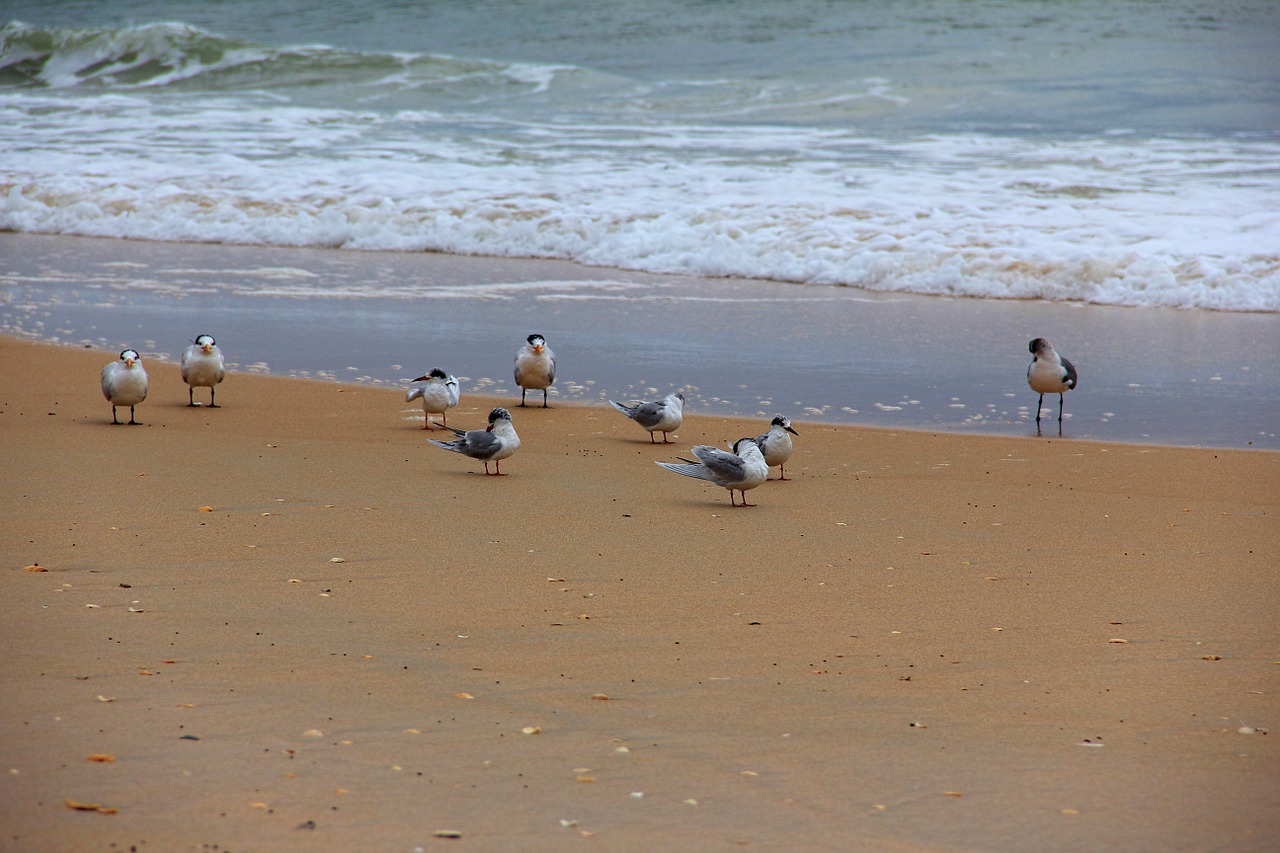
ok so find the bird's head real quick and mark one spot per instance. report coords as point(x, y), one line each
point(783, 422)
point(1039, 346)
point(538, 342)
point(437, 373)
point(497, 415)
point(205, 342)
point(130, 357)
point(744, 444)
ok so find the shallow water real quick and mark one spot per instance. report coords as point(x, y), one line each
point(815, 353)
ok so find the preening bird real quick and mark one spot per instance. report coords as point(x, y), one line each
point(1049, 373)
point(491, 444)
point(738, 471)
point(535, 367)
point(124, 383)
point(202, 367)
point(776, 444)
point(664, 416)
point(438, 395)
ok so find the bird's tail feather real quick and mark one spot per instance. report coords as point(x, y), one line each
point(693, 470)
point(626, 410)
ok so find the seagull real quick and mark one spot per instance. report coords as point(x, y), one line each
point(664, 416)
point(202, 367)
point(776, 444)
point(438, 396)
point(1049, 373)
point(124, 383)
point(492, 444)
point(535, 367)
point(740, 470)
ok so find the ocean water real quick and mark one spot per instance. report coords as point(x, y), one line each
point(1098, 151)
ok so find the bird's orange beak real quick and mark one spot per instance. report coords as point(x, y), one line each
point(207, 348)
point(537, 348)
point(128, 362)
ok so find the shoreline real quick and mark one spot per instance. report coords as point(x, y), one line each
point(918, 642)
point(737, 347)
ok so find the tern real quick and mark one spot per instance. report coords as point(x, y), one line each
point(438, 396)
point(776, 444)
point(664, 416)
point(124, 383)
point(202, 367)
point(742, 469)
point(535, 367)
point(1049, 373)
point(491, 444)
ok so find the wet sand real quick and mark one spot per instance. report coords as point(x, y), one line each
point(921, 642)
point(746, 348)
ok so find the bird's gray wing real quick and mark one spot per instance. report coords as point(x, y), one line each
point(480, 444)
point(649, 414)
point(724, 467)
point(413, 394)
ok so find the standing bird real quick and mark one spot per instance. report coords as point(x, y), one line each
point(535, 367)
point(202, 367)
point(124, 383)
point(664, 416)
point(491, 444)
point(1049, 373)
point(438, 396)
point(776, 444)
point(737, 471)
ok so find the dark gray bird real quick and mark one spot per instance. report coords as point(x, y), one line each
point(664, 416)
point(742, 469)
point(491, 444)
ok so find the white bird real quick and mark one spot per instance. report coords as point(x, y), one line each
point(664, 416)
point(737, 471)
point(776, 444)
point(124, 383)
point(202, 366)
point(438, 396)
point(535, 367)
point(1049, 373)
point(492, 444)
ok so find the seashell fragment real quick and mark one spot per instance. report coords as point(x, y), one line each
point(35, 567)
point(336, 560)
point(89, 807)
point(447, 833)
point(206, 508)
point(100, 757)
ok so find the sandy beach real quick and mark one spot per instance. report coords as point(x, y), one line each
point(291, 624)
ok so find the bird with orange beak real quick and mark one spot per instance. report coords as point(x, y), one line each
point(202, 367)
point(124, 383)
point(535, 367)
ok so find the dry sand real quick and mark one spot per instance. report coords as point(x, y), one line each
point(921, 642)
